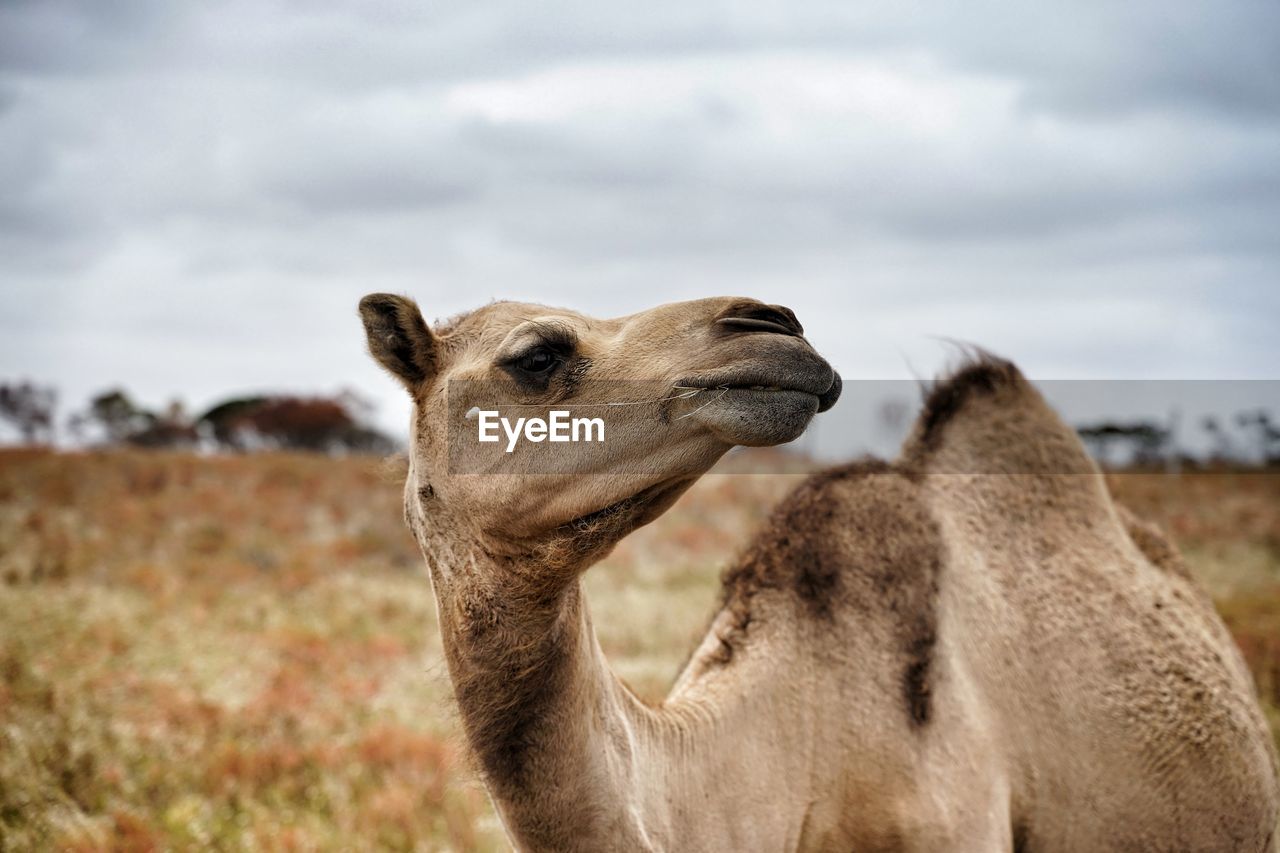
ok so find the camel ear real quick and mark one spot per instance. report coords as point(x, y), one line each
point(399, 338)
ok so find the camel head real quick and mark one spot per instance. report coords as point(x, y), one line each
point(673, 387)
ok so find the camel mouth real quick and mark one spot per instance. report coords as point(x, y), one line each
point(824, 384)
point(761, 407)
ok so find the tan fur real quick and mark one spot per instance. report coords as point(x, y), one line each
point(970, 649)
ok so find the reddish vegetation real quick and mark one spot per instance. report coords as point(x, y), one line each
point(241, 651)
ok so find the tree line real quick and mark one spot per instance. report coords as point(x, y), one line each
point(340, 424)
point(1254, 439)
point(323, 424)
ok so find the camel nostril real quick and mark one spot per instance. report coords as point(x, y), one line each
point(758, 317)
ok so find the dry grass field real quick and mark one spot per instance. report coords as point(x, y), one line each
point(241, 652)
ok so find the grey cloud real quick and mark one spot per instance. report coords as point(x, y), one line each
point(1092, 190)
point(1092, 56)
point(75, 36)
point(362, 171)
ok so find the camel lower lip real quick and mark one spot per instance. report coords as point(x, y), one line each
point(768, 383)
point(755, 418)
point(763, 388)
point(728, 386)
point(758, 389)
point(815, 382)
point(758, 395)
point(826, 399)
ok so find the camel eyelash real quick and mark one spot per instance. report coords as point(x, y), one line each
point(555, 335)
point(552, 336)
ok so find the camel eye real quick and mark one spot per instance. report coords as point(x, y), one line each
point(537, 360)
point(535, 363)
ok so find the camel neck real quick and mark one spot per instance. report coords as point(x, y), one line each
point(564, 744)
point(543, 714)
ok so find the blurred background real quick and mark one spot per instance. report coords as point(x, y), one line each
point(212, 629)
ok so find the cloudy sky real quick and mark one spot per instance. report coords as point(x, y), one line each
point(193, 195)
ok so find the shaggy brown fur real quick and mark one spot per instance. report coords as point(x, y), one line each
point(983, 375)
point(531, 672)
point(892, 572)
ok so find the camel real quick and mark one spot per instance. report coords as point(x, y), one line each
point(971, 648)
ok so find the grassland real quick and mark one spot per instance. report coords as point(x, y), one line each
point(241, 652)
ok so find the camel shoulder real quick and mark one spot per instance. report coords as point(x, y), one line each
point(858, 538)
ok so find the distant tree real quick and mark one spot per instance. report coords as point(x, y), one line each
point(173, 429)
point(163, 434)
point(1150, 442)
point(318, 424)
point(1266, 435)
point(281, 422)
point(30, 408)
point(301, 424)
point(1223, 447)
point(1147, 442)
point(225, 421)
point(113, 418)
point(116, 415)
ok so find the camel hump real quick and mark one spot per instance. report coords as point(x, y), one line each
point(987, 418)
point(863, 513)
